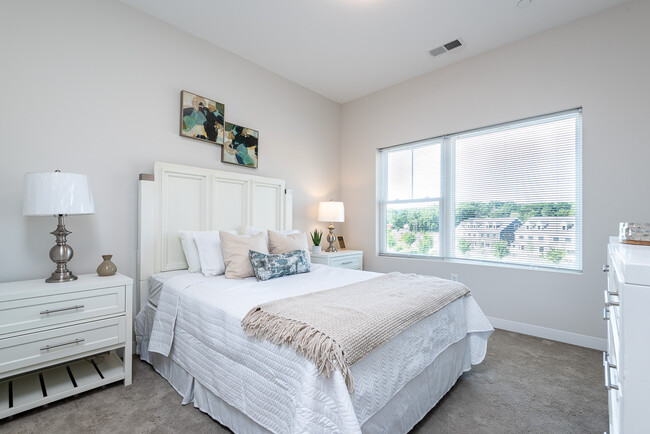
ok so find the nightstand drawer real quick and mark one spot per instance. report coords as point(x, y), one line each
point(351, 261)
point(29, 313)
point(23, 351)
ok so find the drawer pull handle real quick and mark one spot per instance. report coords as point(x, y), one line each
point(49, 311)
point(607, 362)
point(608, 375)
point(49, 347)
point(347, 263)
point(606, 314)
point(608, 302)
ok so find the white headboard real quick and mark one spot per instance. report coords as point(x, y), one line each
point(184, 197)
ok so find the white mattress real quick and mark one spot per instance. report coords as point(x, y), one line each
point(197, 324)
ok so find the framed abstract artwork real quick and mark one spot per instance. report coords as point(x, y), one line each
point(240, 146)
point(202, 118)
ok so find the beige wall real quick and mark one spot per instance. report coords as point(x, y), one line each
point(94, 87)
point(600, 63)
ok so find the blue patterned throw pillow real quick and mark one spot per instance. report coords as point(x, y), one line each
point(271, 266)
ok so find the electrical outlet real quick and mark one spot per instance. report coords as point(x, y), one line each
point(454, 277)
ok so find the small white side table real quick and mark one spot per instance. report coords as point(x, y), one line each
point(60, 339)
point(352, 259)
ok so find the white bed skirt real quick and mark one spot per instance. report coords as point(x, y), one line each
point(399, 415)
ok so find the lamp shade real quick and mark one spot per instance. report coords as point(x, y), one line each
point(53, 193)
point(331, 212)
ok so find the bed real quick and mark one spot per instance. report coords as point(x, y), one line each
point(252, 385)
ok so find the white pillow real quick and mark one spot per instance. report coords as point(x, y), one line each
point(282, 242)
point(254, 230)
point(208, 245)
point(235, 253)
point(190, 250)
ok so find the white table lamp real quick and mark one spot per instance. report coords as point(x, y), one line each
point(58, 194)
point(331, 212)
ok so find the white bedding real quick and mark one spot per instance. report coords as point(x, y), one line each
point(197, 324)
point(157, 281)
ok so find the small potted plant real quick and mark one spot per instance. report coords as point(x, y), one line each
point(316, 237)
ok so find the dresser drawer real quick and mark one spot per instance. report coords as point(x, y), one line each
point(352, 261)
point(614, 403)
point(24, 314)
point(23, 351)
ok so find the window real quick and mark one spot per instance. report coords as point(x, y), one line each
point(412, 200)
point(508, 183)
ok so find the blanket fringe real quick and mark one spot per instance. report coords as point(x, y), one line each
point(305, 339)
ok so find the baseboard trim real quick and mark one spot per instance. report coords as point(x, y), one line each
point(548, 333)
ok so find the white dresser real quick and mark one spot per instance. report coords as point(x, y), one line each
point(627, 360)
point(60, 339)
point(343, 258)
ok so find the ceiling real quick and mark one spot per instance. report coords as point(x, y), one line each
point(345, 49)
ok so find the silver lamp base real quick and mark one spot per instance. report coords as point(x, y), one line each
point(57, 277)
point(61, 254)
point(331, 238)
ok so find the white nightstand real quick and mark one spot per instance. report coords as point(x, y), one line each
point(343, 258)
point(52, 336)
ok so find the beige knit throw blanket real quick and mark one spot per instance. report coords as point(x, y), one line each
point(338, 327)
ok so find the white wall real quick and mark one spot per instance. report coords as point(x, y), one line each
point(94, 87)
point(600, 63)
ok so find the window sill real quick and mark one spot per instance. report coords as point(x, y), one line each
point(481, 263)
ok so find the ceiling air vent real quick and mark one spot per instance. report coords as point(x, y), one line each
point(446, 47)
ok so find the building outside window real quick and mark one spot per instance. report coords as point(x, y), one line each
point(516, 184)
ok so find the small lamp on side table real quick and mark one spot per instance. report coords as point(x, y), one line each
point(58, 194)
point(331, 212)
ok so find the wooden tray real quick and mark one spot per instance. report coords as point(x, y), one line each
point(638, 243)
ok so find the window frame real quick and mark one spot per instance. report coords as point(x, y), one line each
point(383, 193)
point(447, 203)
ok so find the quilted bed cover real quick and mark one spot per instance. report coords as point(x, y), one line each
point(198, 325)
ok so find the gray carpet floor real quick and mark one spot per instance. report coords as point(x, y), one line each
point(524, 385)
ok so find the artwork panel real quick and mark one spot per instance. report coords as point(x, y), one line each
point(202, 118)
point(241, 146)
